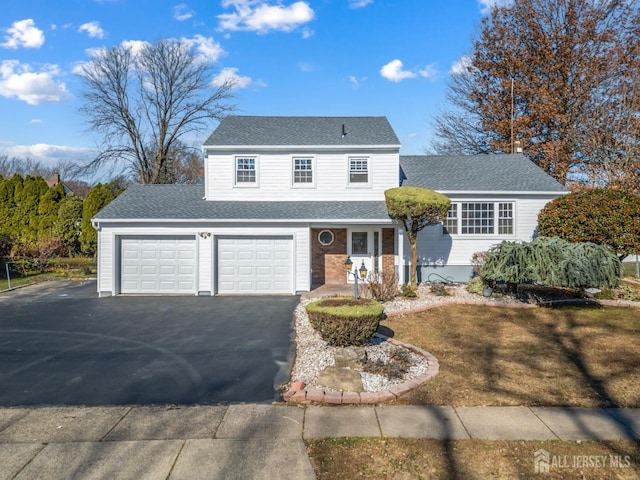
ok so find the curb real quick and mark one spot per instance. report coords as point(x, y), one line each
point(297, 393)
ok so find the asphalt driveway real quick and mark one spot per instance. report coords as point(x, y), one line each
point(62, 345)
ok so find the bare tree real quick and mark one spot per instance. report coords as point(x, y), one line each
point(144, 103)
point(549, 73)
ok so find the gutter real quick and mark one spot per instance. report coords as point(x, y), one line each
point(95, 222)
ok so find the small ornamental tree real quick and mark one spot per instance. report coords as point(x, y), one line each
point(416, 208)
point(603, 216)
point(552, 262)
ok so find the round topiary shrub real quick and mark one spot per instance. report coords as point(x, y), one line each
point(345, 321)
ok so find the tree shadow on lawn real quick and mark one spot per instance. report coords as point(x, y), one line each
point(560, 356)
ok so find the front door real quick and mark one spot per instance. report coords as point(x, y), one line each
point(364, 246)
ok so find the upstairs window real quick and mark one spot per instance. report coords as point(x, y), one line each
point(302, 171)
point(358, 171)
point(245, 170)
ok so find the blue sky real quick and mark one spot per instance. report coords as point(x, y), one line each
point(289, 57)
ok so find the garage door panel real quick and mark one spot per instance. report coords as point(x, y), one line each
point(163, 264)
point(255, 264)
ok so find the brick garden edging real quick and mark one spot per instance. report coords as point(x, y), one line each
point(297, 392)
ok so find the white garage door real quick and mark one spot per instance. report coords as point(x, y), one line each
point(255, 264)
point(157, 264)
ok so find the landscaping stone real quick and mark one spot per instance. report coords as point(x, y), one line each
point(339, 378)
point(350, 357)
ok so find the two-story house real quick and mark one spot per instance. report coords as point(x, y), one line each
point(286, 199)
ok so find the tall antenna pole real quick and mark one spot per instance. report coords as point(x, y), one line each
point(512, 113)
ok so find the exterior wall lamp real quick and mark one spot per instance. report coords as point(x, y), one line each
point(358, 274)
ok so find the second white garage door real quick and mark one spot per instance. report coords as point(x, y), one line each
point(255, 265)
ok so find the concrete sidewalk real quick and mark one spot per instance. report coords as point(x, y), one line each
point(256, 441)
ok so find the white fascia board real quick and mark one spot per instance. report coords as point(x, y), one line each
point(499, 192)
point(241, 148)
point(149, 221)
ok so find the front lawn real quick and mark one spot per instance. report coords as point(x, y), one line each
point(398, 458)
point(587, 357)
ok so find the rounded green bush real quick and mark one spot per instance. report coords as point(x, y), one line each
point(345, 321)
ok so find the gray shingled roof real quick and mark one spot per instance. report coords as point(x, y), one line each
point(185, 202)
point(281, 131)
point(477, 173)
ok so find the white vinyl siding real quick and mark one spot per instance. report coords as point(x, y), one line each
point(274, 180)
point(158, 264)
point(255, 265)
point(434, 248)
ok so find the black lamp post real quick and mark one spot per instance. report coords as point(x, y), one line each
point(359, 273)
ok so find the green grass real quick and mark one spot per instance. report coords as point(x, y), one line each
point(629, 269)
point(346, 307)
point(57, 268)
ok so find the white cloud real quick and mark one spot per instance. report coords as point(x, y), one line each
point(93, 29)
point(230, 74)
point(19, 81)
point(306, 67)
point(259, 16)
point(25, 34)
point(359, 3)
point(487, 5)
point(182, 12)
point(393, 71)
point(47, 153)
point(429, 72)
point(355, 81)
point(134, 46)
point(34, 121)
point(206, 47)
point(461, 66)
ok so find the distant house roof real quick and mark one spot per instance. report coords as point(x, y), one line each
point(236, 130)
point(55, 180)
point(186, 203)
point(476, 173)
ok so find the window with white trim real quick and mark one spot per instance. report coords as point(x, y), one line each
point(477, 218)
point(302, 171)
point(358, 171)
point(451, 223)
point(245, 170)
point(480, 218)
point(505, 218)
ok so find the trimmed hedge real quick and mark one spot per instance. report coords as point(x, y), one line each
point(345, 321)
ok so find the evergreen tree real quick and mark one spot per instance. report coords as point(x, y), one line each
point(68, 223)
point(99, 197)
point(48, 210)
point(7, 205)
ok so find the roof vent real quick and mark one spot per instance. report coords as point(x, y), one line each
point(344, 131)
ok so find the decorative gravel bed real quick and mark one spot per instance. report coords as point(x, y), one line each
point(313, 354)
